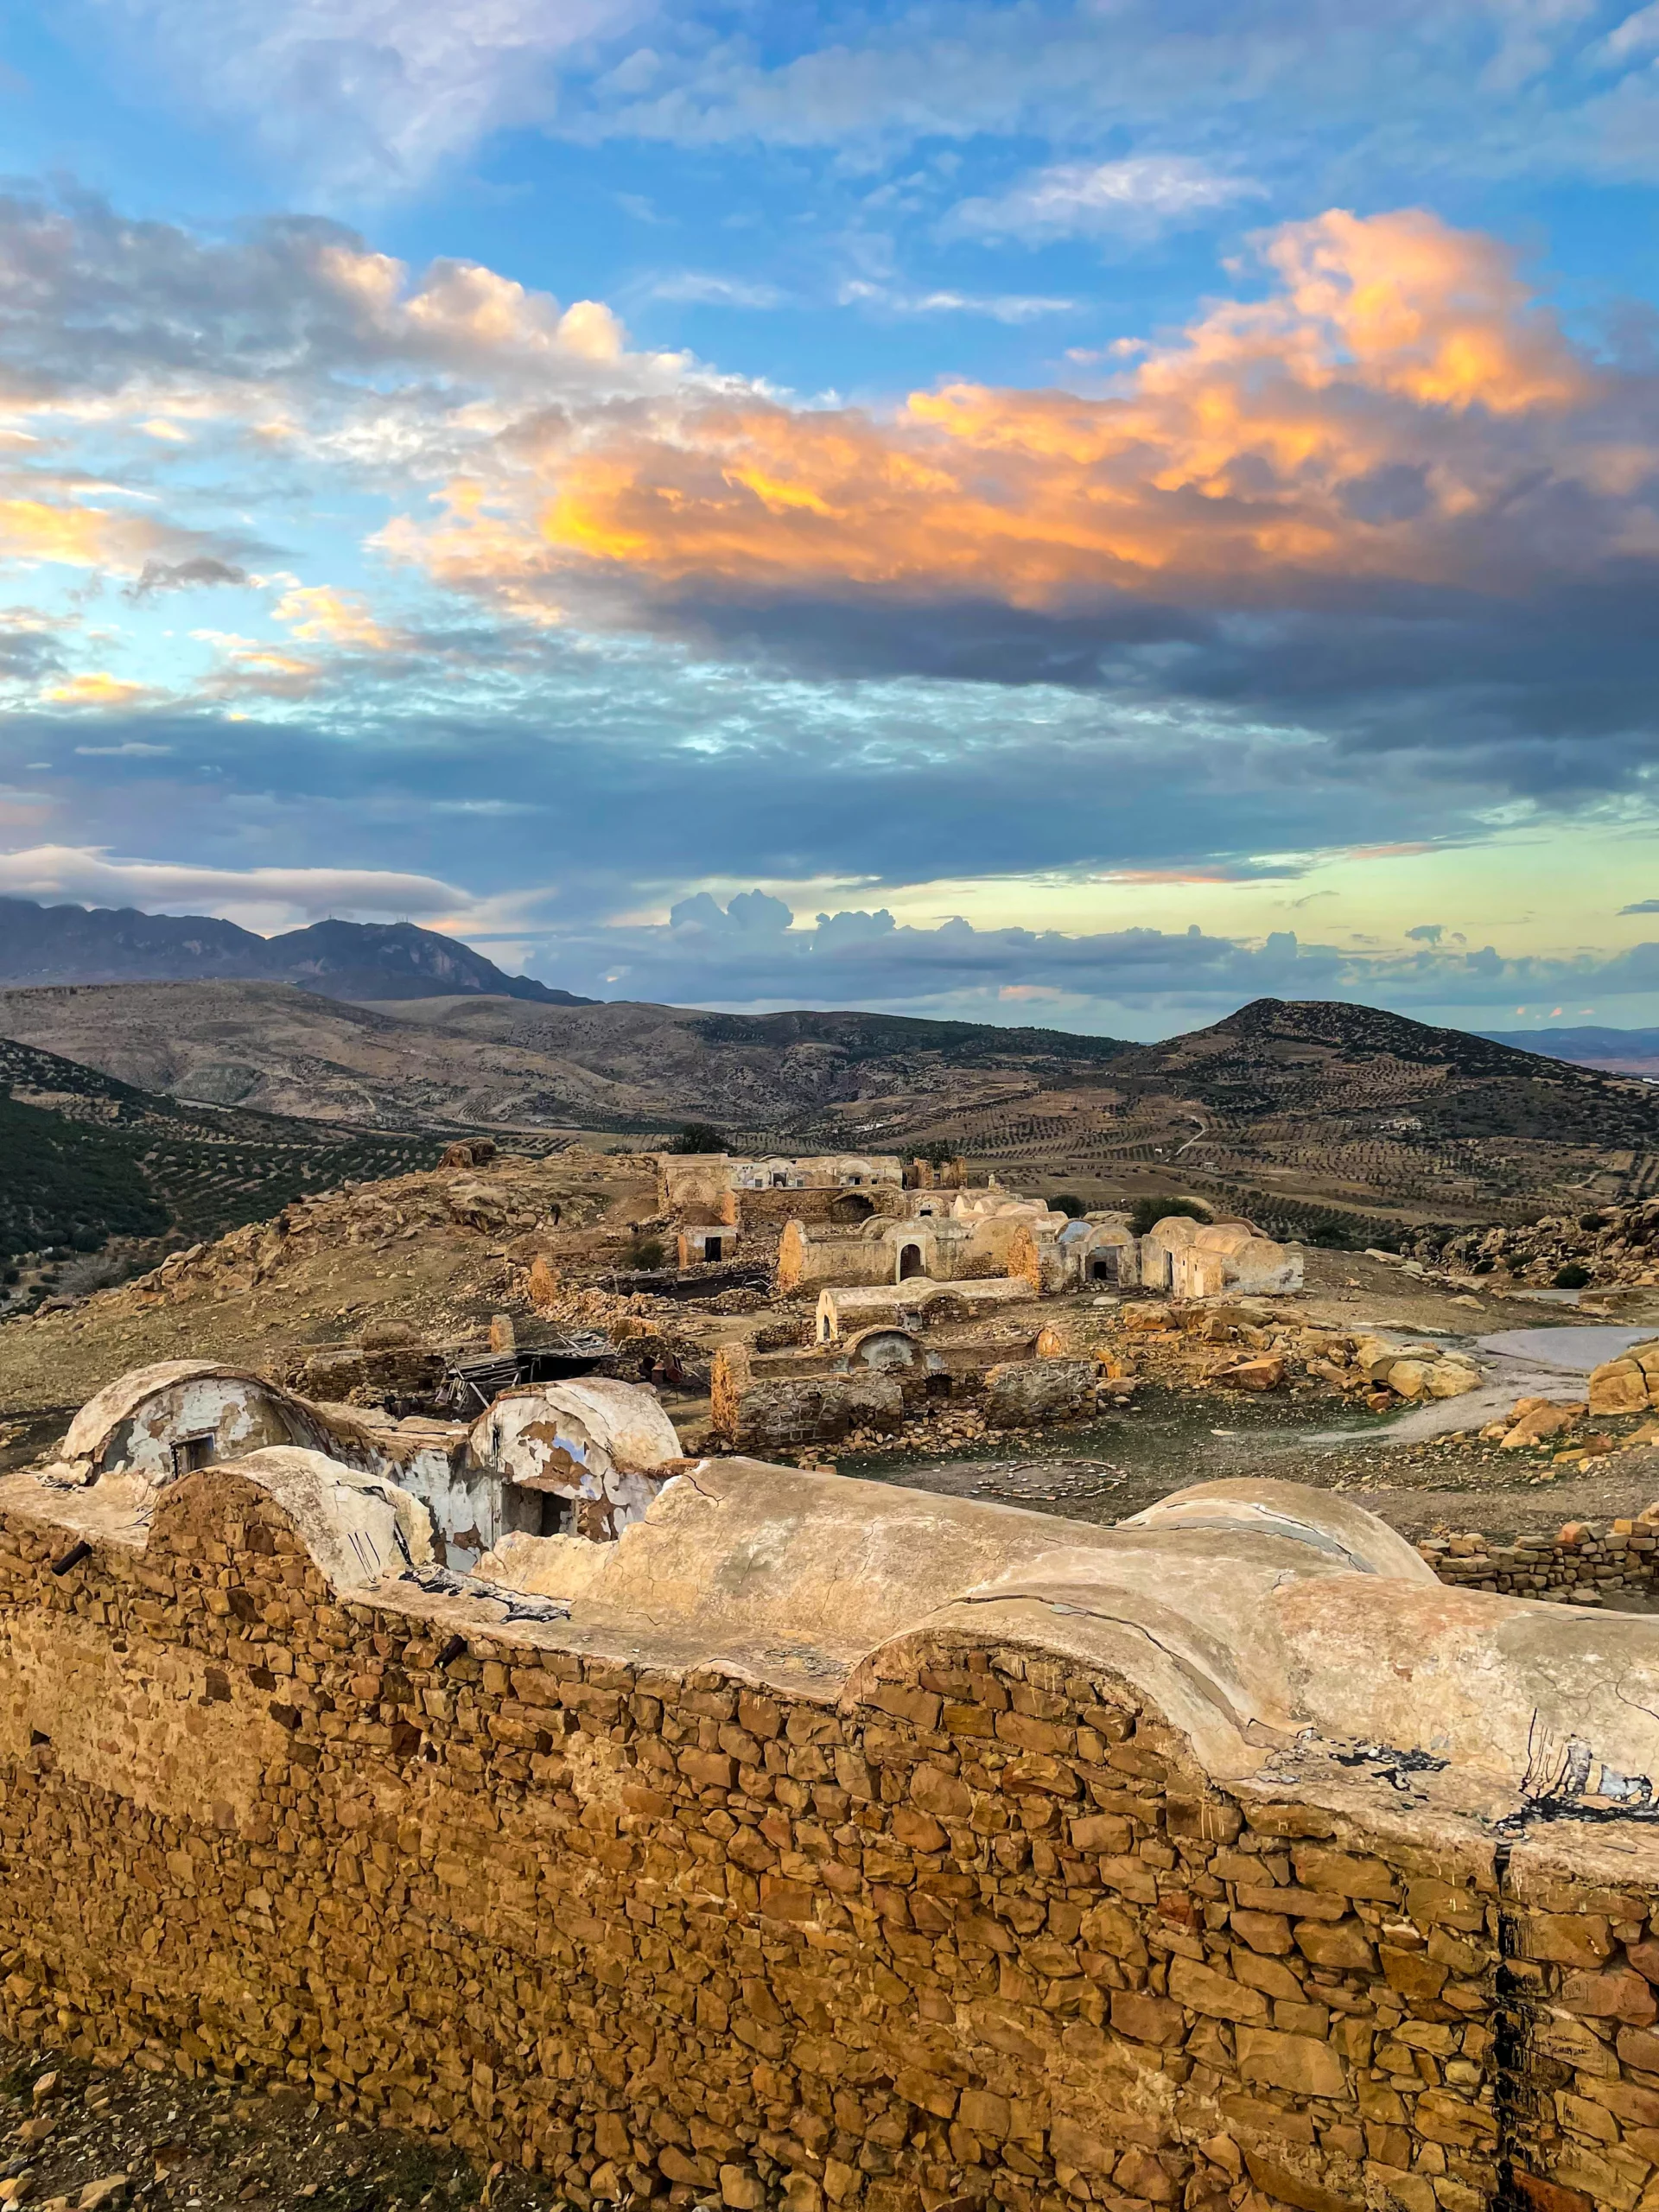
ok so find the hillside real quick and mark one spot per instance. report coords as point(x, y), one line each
point(1312, 1113)
point(463, 1062)
point(88, 1159)
point(1298, 1113)
point(1619, 1052)
point(340, 960)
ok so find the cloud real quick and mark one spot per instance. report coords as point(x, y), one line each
point(367, 97)
point(1138, 196)
point(1426, 933)
point(203, 573)
point(750, 953)
point(131, 750)
point(245, 668)
point(1397, 412)
point(322, 615)
point(95, 688)
point(1372, 540)
point(284, 896)
point(695, 288)
point(1642, 906)
point(1001, 307)
point(868, 959)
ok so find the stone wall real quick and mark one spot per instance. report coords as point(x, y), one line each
point(774, 1401)
point(972, 1928)
point(1021, 1391)
point(1578, 1564)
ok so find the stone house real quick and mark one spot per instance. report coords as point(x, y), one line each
point(583, 1456)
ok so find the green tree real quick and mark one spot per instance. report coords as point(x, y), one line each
point(698, 1137)
point(1146, 1213)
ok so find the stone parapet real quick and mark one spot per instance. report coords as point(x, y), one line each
point(1579, 1563)
point(1102, 1882)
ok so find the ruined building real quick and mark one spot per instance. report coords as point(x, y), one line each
point(825, 1844)
point(584, 1457)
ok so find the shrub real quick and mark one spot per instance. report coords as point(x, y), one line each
point(1333, 1235)
point(1070, 1204)
point(1591, 1221)
point(698, 1137)
point(1572, 1276)
point(643, 1252)
point(1146, 1213)
point(937, 1152)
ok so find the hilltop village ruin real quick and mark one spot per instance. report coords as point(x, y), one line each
point(458, 1742)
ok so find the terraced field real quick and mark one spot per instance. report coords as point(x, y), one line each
point(86, 1159)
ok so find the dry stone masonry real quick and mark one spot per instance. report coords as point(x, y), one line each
point(956, 1856)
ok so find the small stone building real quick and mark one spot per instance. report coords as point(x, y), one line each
point(917, 1303)
point(584, 1456)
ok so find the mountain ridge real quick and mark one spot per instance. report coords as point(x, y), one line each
point(1619, 1052)
point(43, 946)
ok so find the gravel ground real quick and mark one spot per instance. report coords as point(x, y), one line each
point(75, 2136)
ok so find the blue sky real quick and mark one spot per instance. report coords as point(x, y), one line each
point(1091, 512)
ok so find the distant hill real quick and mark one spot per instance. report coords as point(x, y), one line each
point(1617, 1051)
point(338, 960)
point(462, 1062)
point(87, 1158)
point(1320, 1057)
point(1321, 1115)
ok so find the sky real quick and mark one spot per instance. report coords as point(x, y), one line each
point(1077, 512)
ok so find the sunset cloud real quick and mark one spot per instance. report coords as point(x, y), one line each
point(280, 896)
point(321, 615)
point(96, 688)
point(1397, 408)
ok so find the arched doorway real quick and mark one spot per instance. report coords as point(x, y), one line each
point(910, 1262)
point(1103, 1264)
point(851, 1205)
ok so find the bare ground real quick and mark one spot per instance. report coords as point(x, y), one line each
point(203, 2146)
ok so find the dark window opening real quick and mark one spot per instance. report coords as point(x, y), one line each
point(191, 1453)
point(711, 1247)
point(536, 1512)
point(1102, 1266)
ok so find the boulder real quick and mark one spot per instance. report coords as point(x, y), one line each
point(1265, 1372)
point(1619, 1386)
point(1408, 1378)
point(1541, 1419)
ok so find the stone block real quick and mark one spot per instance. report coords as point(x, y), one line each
point(1294, 2063)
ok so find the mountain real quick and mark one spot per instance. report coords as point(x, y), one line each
point(88, 1158)
point(1357, 1063)
point(338, 960)
point(1325, 1114)
point(1618, 1052)
point(1301, 1115)
point(466, 1061)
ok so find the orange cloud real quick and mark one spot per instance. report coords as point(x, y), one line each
point(82, 537)
point(321, 615)
point(96, 688)
point(248, 667)
point(1369, 418)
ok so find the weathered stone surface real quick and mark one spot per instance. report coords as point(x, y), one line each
point(983, 1929)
